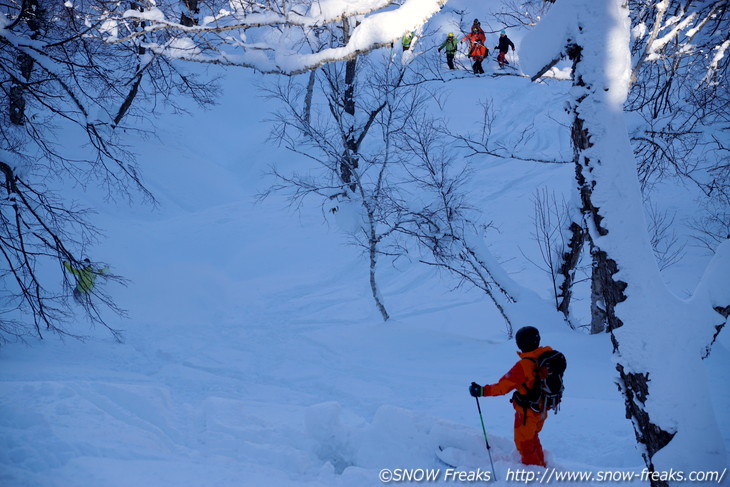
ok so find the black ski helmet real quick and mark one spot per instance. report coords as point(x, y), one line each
point(527, 338)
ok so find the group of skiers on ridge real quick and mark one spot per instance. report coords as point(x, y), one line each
point(477, 50)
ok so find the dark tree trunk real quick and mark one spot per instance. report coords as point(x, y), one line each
point(349, 98)
point(32, 14)
point(635, 388)
point(349, 161)
point(567, 269)
point(17, 104)
point(189, 17)
point(137, 80)
point(308, 98)
point(126, 105)
point(138, 27)
point(606, 293)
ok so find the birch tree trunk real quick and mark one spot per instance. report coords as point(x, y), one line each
point(658, 340)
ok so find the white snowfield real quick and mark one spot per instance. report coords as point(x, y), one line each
point(254, 355)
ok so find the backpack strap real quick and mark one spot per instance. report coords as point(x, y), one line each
point(523, 400)
point(535, 383)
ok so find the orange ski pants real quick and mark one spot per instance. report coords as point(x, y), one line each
point(526, 436)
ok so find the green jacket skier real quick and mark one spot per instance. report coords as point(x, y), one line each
point(85, 278)
point(407, 39)
point(451, 45)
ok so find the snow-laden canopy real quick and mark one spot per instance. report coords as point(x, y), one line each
point(286, 37)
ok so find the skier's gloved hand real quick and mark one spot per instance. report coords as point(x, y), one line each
point(476, 390)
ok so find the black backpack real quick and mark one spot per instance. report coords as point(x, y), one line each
point(547, 391)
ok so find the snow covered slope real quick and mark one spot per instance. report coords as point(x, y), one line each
point(253, 353)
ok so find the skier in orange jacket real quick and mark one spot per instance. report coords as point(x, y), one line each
point(477, 54)
point(475, 36)
point(521, 378)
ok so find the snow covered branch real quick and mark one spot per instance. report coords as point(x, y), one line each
point(276, 39)
point(677, 26)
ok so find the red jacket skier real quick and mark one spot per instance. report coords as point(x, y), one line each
point(521, 378)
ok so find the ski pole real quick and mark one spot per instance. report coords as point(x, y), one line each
point(489, 449)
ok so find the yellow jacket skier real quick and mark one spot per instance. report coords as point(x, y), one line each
point(85, 278)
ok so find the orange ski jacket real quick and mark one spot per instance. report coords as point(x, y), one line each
point(478, 52)
point(475, 36)
point(521, 376)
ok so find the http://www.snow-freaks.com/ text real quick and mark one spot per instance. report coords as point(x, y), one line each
point(546, 476)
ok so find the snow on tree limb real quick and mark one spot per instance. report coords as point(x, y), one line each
point(720, 53)
point(546, 43)
point(661, 8)
point(278, 34)
point(714, 285)
point(692, 31)
point(713, 292)
point(320, 13)
point(659, 44)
